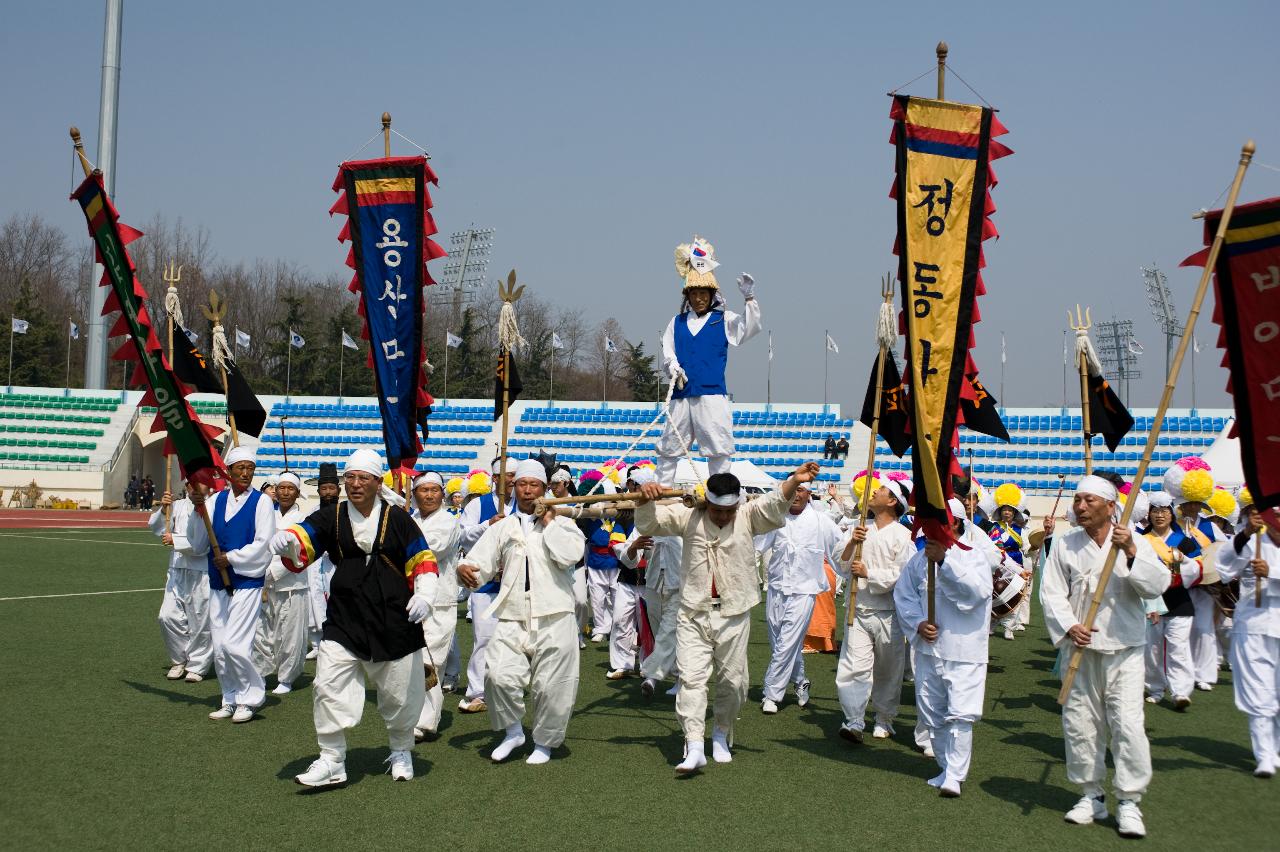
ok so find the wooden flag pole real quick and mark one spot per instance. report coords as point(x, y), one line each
point(1083, 323)
point(386, 135)
point(79, 146)
point(509, 294)
point(886, 293)
point(1246, 154)
point(1257, 581)
point(933, 588)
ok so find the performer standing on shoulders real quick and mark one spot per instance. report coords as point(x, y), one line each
point(384, 586)
point(441, 532)
point(873, 656)
point(243, 523)
point(719, 588)
point(950, 654)
point(1255, 640)
point(535, 645)
point(184, 611)
point(281, 643)
point(1106, 697)
point(695, 352)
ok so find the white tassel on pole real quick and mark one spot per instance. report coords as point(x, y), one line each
point(508, 331)
point(173, 306)
point(887, 327)
point(1085, 345)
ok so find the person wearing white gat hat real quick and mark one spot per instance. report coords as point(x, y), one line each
point(535, 645)
point(243, 523)
point(440, 528)
point(384, 584)
point(1107, 694)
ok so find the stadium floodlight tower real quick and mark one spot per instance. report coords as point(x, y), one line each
point(1161, 301)
point(464, 273)
point(1119, 352)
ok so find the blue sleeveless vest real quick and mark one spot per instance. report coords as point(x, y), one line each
point(233, 535)
point(703, 356)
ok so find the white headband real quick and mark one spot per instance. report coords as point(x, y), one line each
point(531, 469)
point(364, 461)
point(239, 454)
point(1099, 487)
point(290, 478)
point(561, 475)
point(724, 499)
point(429, 477)
point(956, 507)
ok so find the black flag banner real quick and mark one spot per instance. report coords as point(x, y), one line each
point(190, 365)
point(893, 416)
point(982, 412)
point(1107, 415)
point(242, 402)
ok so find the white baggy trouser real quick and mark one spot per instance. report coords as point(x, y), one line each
point(949, 699)
point(711, 645)
point(1204, 637)
point(233, 622)
point(439, 630)
point(184, 620)
point(622, 638)
point(601, 585)
point(482, 627)
point(280, 645)
point(540, 655)
point(1168, 658)
point(663, 608)
point(1105, 702)
point(872, 659)
point(1255, 675)
point(339, 697)
point(787, 618)
point(705, 419)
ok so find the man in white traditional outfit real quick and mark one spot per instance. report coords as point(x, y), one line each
point(661, 593)
point(184, 610)
point(1169, 661)
point(1106, 698)
point(720, 585)
point(950, 651)
point(795, 576)
point(535, 645)
point(281, 642)
point(320, 575)
point(695, 352)
point(384, 587)
point(873, 656)
point(1255, 639)
point(442, 533)
point(243, 522)
point(477, 517)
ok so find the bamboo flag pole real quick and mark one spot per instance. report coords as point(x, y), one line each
point(886, 294)
point(386, 135)
point(173, 311)
point(1257, 581)
point(1246, 154)
point(1082, 324)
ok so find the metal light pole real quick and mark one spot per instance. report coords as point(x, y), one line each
point(1161, 301)
point(95, 361)
point(466, 274)
point(1119, 352)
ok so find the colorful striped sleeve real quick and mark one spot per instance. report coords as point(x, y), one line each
point(305, 534)
point(419, 559)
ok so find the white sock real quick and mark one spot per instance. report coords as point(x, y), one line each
point(936, 781)
point(695, 756)
point(674, 689)
point(512, 741)
point(541, 754)
point(720, 747)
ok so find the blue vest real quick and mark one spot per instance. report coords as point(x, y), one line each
point(489, 508)
point(703, 356)
point(233, 535)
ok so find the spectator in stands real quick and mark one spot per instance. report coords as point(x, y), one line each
point(829, 448)
point(131, 493)
point(842, 448)
point(148, 494)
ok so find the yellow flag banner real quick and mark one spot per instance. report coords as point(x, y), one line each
point(944, 151)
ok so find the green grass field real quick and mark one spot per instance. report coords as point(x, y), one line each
point(100, 751)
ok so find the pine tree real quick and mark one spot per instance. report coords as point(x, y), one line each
point(38, 355)
point(642, 378)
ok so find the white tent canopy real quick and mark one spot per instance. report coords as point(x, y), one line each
point(748, 474)
point(1224, 457)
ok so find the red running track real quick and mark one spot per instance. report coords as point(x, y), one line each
point(51, 519)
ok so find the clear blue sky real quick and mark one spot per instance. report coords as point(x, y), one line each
point(595, 136)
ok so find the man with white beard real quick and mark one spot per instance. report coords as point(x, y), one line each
point(441, 531)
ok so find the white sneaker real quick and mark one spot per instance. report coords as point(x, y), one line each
point(1008, 634)
point(401, 765)
point(1129, 819)
point(194, 677)
point(226, 711)
point(1266, 769)
point(675, 689)
point(597, 638)
point(648, 686)
point(472, 705)
point(720, 747)
point(950, 789)
point(243, 714)
point(802, 693)
point(1021, 628)
point(695, 758)
point(850, 733)
point(617, 674)
point(322, 773)
point(883, 732)
point(1181, 702)
point(175, 672)
point(1087, 810)
point(282, 689)
point(768, 707)
point(313, 653)
point(936, 781)
point(928, 751)
point(1153, 699)
point(1204, 686)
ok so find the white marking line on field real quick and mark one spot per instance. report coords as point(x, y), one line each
point(81, 594)
point(78, 540)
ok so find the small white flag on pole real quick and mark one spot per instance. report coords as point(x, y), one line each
point(1065, 361)
point(243, 339)
point(295, 340)
point(20, 326)
point(771, 346)
point(831, 345)
point(193, 336)
point(348, 342)
point(1195, 343)
point(75, 330)
point(556, 342)
point(452, 340)
point(609, 345)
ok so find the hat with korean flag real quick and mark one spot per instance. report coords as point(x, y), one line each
point(696, 263)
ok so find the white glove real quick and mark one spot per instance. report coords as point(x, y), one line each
point(747, 285)
point(282, 543)
point(419, 608)
point(678, 377)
